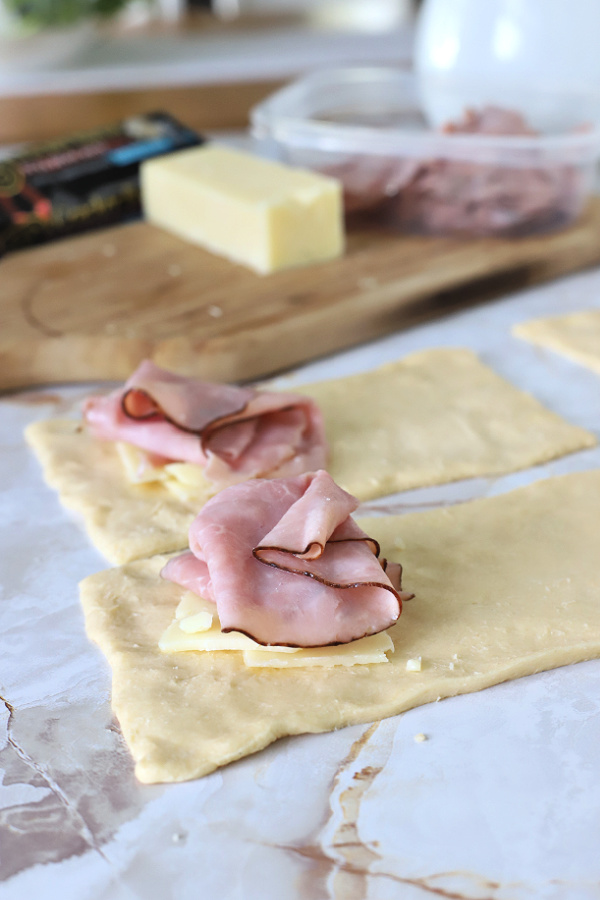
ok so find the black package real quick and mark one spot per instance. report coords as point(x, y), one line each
point(83, 181)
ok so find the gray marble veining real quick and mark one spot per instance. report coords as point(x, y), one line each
point(500, 802)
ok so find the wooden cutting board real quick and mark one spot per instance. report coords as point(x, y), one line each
point(92, 307)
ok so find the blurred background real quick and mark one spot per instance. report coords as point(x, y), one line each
point(82, 63)
point(475, 117)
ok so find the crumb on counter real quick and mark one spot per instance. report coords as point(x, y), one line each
point(368, 282)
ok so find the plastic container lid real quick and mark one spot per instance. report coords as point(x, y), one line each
point(377, 111)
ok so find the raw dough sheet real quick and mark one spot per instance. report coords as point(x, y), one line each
point(124, 521)
point(436, 416)
point(505, 587)
point(576, 336)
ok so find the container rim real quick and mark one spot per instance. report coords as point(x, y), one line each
point(277, 117)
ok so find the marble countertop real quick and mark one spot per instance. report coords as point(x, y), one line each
point(501, 802)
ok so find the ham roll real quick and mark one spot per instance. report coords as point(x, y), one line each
point(286, 564)
point(234, 433)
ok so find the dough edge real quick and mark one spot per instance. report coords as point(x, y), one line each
point(262, 709)
point(127, 522)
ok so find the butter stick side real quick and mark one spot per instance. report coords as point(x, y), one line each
point(263, 214)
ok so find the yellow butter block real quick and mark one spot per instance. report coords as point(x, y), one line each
point(263, 214)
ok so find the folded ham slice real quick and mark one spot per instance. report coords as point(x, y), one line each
point(234, 433)
point(285, 564)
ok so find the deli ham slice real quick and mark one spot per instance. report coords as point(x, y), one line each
point(190, 573)
point(473, 189)
point(234, 433)
point(287, 565)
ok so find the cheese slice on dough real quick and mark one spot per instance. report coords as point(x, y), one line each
point(505, 587)
point(182, 479)
point(434, 417)
point(196, 627)
point(576, 336)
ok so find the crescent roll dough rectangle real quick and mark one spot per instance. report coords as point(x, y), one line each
point(433, 417)
point(436, 416)
point(576, 336)
point(504, 587)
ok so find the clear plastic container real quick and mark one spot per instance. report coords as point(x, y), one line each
point(365, 126)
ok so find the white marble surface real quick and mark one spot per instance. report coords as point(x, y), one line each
point(502, 802)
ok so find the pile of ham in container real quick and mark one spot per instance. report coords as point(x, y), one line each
point(445, 195)
point(488, 172)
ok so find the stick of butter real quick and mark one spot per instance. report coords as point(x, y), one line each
point(263, 214)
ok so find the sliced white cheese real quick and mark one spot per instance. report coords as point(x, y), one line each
point(176, 638)
point(367, 650)
point(191, 604)
point(192, 610)
point(183, 480)
point(187, 474)
point(197, 623)
point(136, 466)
